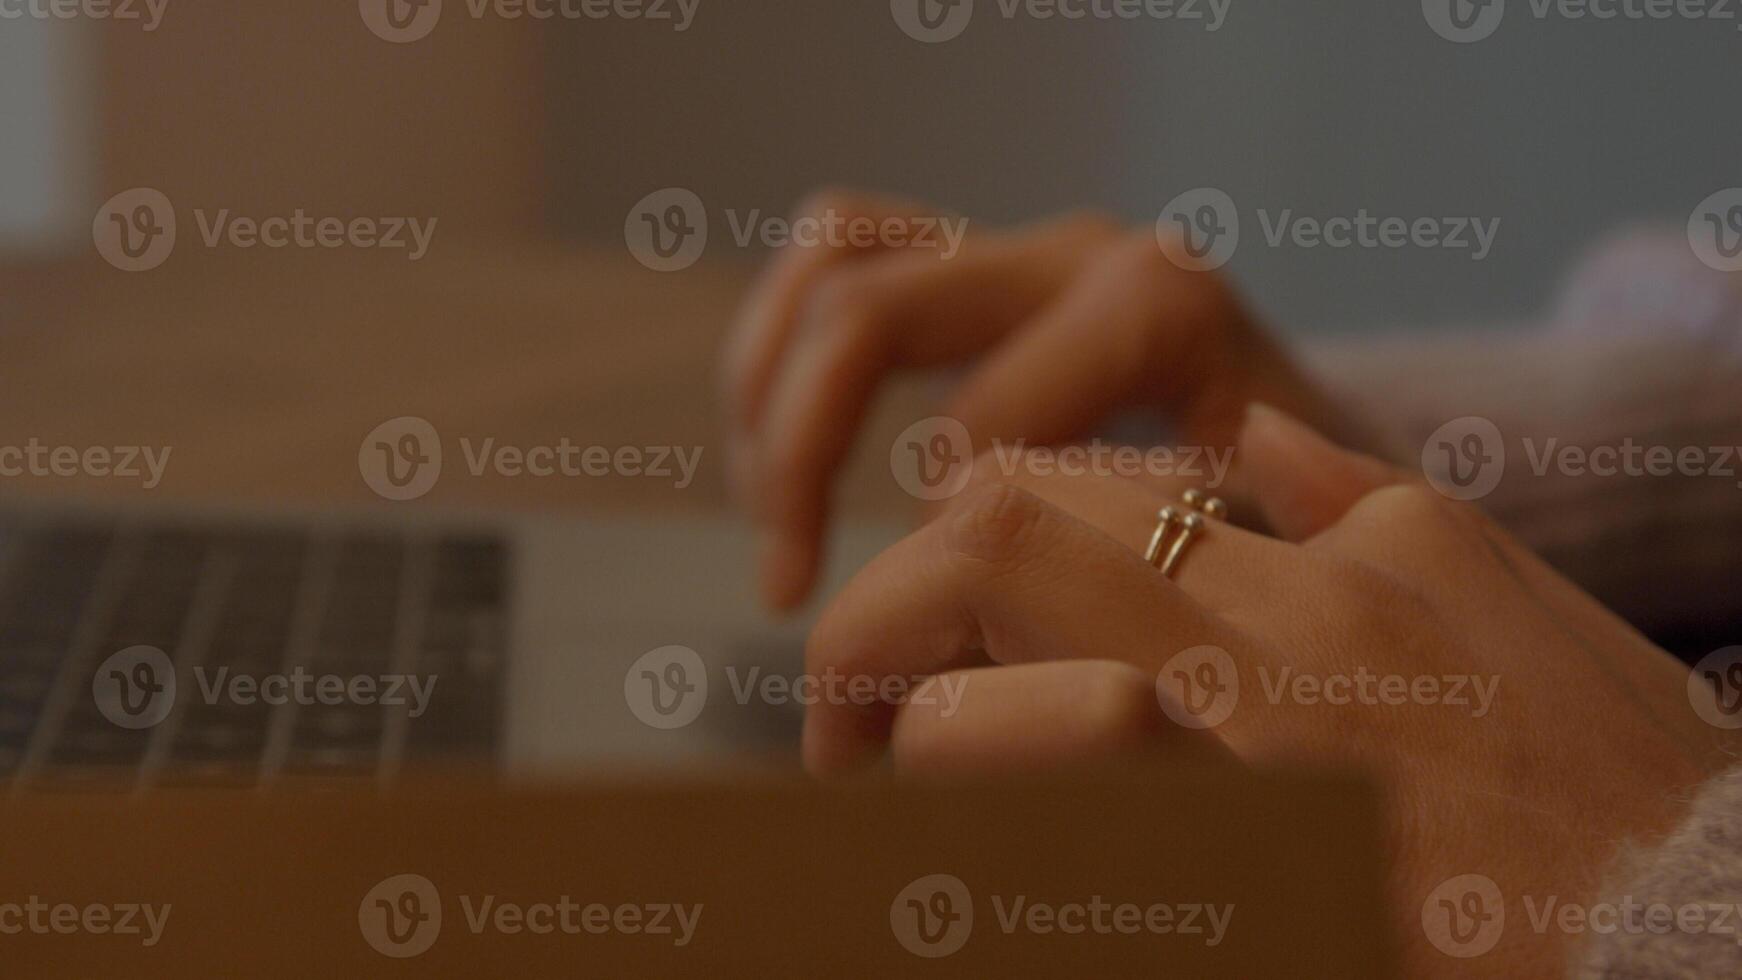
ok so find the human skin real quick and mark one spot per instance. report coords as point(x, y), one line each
point(1035, 585)
point(1035, 588)
point(1056, 325)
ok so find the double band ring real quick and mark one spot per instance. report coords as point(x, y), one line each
point(1189, 523)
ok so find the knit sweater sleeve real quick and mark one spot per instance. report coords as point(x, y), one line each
point(1678, 903)
point(1643, 354)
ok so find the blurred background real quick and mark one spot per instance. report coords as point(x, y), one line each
point(1560, 128)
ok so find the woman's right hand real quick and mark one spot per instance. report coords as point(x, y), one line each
point(1520, 729)
point(1063, 323)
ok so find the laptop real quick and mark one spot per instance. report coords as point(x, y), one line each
point(200, 647)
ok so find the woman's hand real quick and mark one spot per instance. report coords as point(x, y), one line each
point(1520, 728)
point(1064, 323)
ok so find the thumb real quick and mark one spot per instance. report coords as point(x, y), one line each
point(1302, 481)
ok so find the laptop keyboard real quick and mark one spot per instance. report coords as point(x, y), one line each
point(292, 654)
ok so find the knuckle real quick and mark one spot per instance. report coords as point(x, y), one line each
point(997, 524)
point(1409, 506)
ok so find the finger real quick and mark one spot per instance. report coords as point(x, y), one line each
point(1096, 349)
point(770, 310)
point(1036, 717)
point(1355, 506)
point(1074, 478)
point(1234, 572)
point(898, 310)
point(1136, 329)
point(1301, 481)
point(1008, 577)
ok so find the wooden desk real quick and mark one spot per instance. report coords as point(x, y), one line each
point(264, 370)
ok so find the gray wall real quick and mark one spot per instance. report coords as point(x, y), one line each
point(1561, 129)
point(45, 130)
